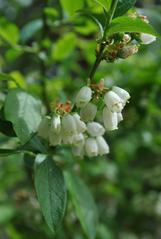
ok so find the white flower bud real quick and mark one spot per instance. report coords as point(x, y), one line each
point(78, 139)
point(147, 38)
point(83, 96)
point(123, 94)
point(78, 151)
point(110, 119)
point(80, 125)
point(68, 125)
point(44, 127)
point(119, 117)
point(103, 147)
point(54, 139)
point(113, 102)
point(91, 147)
point(88, 112)
point(56, 124)
point(95, 129)
point(126, 38)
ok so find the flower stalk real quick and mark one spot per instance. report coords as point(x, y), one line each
point(103, 40)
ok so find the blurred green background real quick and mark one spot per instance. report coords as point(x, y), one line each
point(52, 61)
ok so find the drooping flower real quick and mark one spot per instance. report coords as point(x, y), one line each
point(147, 38)
point(68, 125)
point(88, 112)
point(110, 119)
point(103, 147)
point(123, 94)
point(80, 125)
point(56, 124)
point(95, 129)
point(91, 147)
point(113, 102)
point(44, 127)
point(119, 117)
point(83, 96)
point(78, 140)
point(54, 138)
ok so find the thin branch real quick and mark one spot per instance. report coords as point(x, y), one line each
point(102, 44)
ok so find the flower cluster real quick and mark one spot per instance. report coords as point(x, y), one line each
point(79, 129)
point(123, 45)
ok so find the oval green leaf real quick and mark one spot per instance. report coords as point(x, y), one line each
point(51, 190)
point(128, 24)
point(84, 204)
point(24, 111)
point(123, 6)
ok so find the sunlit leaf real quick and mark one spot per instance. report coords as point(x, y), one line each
point(70, 6)
point(24, 111)
point(128, 24)
point(64, 46)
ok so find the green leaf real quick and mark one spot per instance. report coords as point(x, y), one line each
point(9, 32)
point(6, 77)
point(64, 47)
point(24, 111)
point(7, 213)
point(95, 19)
point(123, 6)
point(30, 29)
point(84, 204)
point(128, 24)
point(104, 3)
point(70, 6)
point(51, 190)
point(6, 152)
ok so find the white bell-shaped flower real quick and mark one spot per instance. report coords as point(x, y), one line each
point(56, 124)
point(80, 125)
point(91, 147)
point(113, 102)
point(95, 129)
point(119, 117)
point(110, 119)
point(67, 139)
point(103, 147)
point(68, 125)
point(147, 38)
point(78, 139)
point(78, 151)
point(123, 94)
point(44, 127)
point(88, 113)
point(83, 96)
point(54, 139)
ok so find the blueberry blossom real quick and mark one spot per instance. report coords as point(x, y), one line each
point(123, 94)
point(147, 38)
point(103, 147)
point(95, 129)
point(44, 127)
point(88, 113)
point(83, 96)
point(91, 147)
point(110, 119)
point(113, 102)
